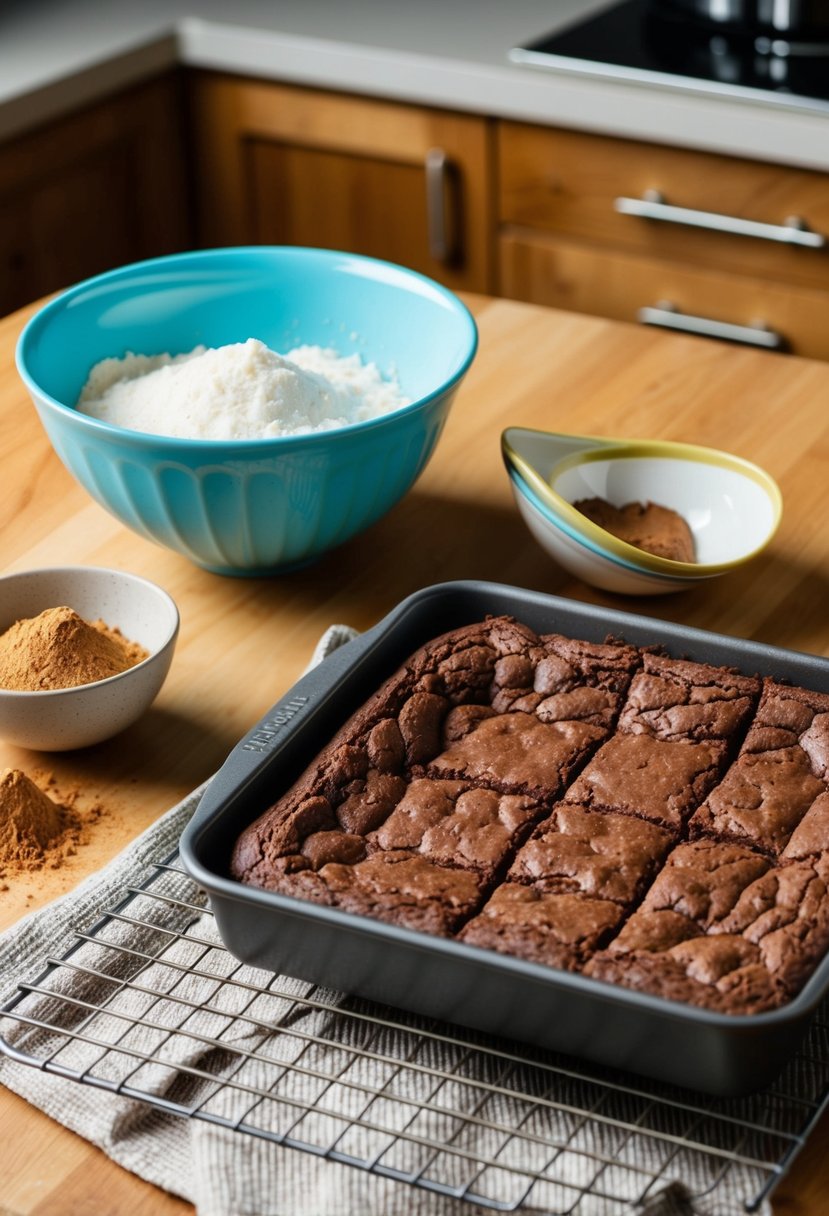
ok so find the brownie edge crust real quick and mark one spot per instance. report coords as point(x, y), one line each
point(558, 800)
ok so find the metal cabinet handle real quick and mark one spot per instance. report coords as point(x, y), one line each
point(652, 206)
point(441, 204)
point(668, 316)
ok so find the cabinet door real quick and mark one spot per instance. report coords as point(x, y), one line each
point(284, 165)
point(91, 191)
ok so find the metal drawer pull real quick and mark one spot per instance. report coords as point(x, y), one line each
point(668, 316)
point(441, 203)
point(652, 206)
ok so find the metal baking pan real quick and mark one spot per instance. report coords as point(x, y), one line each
point(568, 1012)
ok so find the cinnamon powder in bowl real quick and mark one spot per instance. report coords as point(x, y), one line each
point(86, 649)
point(59, 649)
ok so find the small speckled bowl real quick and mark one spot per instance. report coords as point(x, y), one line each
point(731, 506)
point(65, 718)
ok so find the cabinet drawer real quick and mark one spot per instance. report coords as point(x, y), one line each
point(569, 183)
point(565, 274)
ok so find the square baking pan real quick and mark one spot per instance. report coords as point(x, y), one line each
point(569, 1012)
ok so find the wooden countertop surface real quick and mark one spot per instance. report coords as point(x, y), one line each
point(536, 368)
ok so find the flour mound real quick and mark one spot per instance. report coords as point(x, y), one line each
point(240, 391)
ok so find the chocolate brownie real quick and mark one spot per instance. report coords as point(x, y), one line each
point(703, 881)
point(491, 703)
point(602, 855)
point(644, 776)
point(569, 680)
point(408, 891)
point(719, 973)
point(352, 790)
point(559, 930)
point(785, 914)
point(517, 753)
point(548, 709)
point(810, 839)
point(668, 954)
point(571, 803)
point(673, 735)
point(455, 824)
point(720, 927)
point(779, 773)
point(679, 701)
point(654, 932)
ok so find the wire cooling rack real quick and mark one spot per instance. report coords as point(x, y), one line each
point(148, 1004)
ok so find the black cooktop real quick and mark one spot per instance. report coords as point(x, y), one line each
point(632, 41)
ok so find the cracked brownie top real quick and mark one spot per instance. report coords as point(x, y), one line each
point(653, 822)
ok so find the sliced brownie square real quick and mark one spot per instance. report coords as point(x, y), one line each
point(549, 706)
point(785, 914)
point(810, 839)
point(573, 680)
point(702, 880)
point(559, 930)
point(636, 774)
point(455, 824)
point(779, 772)
point(723, 974)
point(406, 890)
point(514, 752)
point(668, 954)
point(603, 855)
point(680, 701)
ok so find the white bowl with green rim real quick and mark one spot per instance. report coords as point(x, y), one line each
point(732, 506)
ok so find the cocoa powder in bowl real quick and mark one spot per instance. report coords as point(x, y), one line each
point(59, 649)
point(649, 526)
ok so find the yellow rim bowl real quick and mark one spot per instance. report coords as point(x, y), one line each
point(727, 501)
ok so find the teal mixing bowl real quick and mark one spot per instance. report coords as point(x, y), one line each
point(263, 505)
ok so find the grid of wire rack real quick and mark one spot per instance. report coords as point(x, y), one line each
point(148, 1004)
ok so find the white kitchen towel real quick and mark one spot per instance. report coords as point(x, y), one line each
point(228, 1173)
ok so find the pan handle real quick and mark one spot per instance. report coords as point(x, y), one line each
point(257, 746)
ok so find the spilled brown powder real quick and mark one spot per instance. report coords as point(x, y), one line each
point(35, 831)
point(59, 649)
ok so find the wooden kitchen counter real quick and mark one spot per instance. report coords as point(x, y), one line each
point(244, 641)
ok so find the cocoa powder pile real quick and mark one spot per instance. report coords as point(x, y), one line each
point(649, 526)
point(59, 649)
point(35, 831)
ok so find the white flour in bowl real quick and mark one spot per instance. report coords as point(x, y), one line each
point(240, 391)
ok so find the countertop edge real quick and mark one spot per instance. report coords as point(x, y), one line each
point(666, 115)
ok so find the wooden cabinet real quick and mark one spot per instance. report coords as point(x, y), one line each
point(595, 224)
point(101, 187)
point(578, 229)
point(283, 165)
